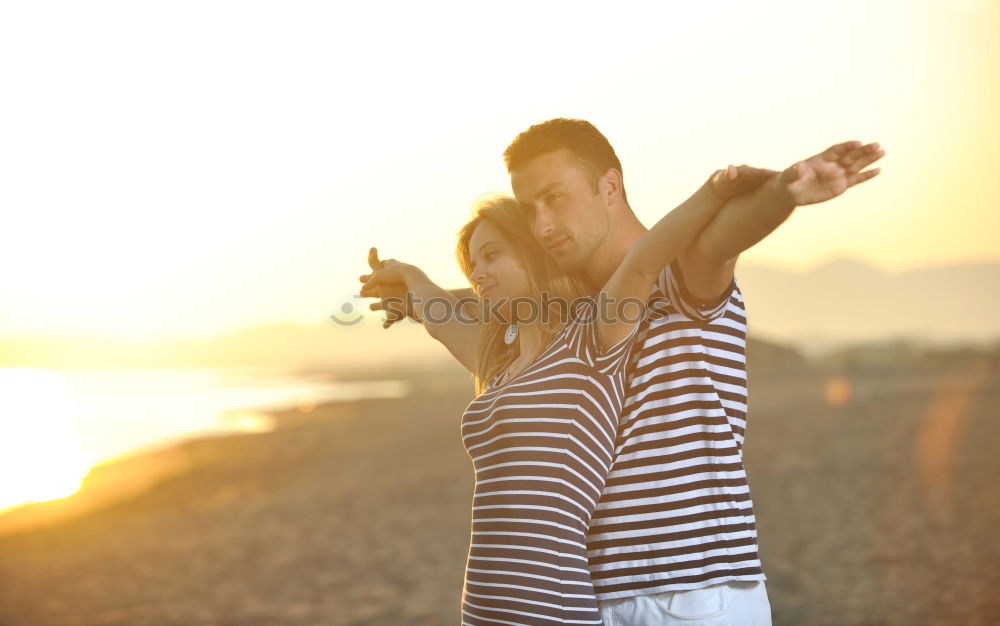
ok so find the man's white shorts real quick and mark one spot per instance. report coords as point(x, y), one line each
point(734, 603)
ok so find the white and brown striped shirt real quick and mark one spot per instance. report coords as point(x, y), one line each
point(676, 512)
point(542, 446)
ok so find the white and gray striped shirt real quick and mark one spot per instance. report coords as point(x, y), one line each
point(542, 446)
point(675, 512)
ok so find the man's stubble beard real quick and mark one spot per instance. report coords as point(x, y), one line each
point(572, 262)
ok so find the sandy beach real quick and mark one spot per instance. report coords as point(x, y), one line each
point(874, 488)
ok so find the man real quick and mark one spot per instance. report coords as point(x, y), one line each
point(673, 537)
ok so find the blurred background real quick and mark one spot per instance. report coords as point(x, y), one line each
point(189, 191)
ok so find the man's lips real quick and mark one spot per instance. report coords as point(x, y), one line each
point(555, 244)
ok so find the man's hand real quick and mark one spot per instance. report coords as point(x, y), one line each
point(829, 173)
point(747, 218)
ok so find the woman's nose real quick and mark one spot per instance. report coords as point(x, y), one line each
point(478, 275)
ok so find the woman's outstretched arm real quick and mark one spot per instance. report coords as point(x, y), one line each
point(446, 317)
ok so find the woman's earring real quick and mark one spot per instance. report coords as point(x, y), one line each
point(511, 333)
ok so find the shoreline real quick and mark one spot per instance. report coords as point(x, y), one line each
point(132, 474)
point(869, 509)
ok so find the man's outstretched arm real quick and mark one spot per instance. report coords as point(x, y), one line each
point(708, 263)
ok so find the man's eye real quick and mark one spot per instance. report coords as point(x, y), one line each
point(552, 197)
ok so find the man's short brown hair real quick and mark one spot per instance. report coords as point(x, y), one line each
point(590, 149)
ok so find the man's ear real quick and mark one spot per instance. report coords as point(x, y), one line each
point(610, 185)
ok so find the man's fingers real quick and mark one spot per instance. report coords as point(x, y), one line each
point(365, 277)
point(856, 153)
point(835, 152)
point(865, 159)
point(864, 162)
point(861, 157)
point(862, 177)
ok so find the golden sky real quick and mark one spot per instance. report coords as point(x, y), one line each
point(187, 168)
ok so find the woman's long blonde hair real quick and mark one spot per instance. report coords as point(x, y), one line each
point(493, 355)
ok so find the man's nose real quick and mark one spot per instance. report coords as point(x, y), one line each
point(543, 226)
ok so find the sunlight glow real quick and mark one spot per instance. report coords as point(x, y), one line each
point(240, 178)
point(40, 456)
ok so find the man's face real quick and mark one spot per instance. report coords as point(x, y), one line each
point(567, 217)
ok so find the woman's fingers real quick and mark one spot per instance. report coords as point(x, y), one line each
point(722, 181)
point(370, 286)
point(752, 177)
point(373, 261)
point(735, 180)
point(793, 173)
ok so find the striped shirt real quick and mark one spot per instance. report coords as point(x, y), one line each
point(541, 445)
point(675, 512)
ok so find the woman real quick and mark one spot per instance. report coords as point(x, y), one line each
point(549, 370)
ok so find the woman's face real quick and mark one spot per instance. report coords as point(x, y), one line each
point(497, 270)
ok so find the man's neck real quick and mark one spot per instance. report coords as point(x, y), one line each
point(606, 260)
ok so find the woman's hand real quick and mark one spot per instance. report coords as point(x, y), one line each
point(392, 274)
point(735, 180)
point(404, 290)
point(388, 283)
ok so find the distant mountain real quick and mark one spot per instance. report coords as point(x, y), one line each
point(841, 302)
point(846, 301)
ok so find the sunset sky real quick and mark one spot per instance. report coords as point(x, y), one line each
point(190, 168)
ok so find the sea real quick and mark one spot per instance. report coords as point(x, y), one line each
point(56, 424)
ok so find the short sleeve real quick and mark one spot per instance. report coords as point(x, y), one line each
point(583, 340)
point(671, 284)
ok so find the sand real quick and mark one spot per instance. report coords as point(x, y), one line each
point(881, 508)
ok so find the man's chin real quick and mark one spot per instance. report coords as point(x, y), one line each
point(566, 262)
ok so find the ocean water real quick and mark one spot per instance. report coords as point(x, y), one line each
point(55, 424)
